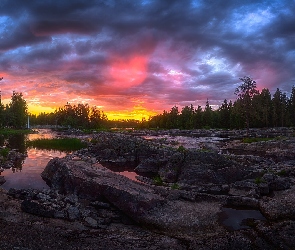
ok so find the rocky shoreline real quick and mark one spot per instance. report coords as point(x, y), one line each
point(176, 203)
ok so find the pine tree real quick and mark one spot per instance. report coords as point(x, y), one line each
point(245, 92)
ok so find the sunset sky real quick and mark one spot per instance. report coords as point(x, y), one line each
point(133, 58)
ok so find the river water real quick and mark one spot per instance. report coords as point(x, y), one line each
point(27, 173)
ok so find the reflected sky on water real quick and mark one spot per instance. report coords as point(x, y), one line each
point(26, 174)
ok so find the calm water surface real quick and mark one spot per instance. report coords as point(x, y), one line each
point(234, 219)
point(27, 173)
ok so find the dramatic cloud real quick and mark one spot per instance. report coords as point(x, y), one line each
point(136, 58)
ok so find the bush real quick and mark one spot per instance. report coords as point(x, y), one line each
point(157, 180)
point(4, 152)
point(175, 186)
point(258, 180)
point(181, 149)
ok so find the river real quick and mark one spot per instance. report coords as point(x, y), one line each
point(27, 173)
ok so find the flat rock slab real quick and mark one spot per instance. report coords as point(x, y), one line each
point(142, 203)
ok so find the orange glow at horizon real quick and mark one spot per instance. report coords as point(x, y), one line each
point(136, 113)
point(37, 109)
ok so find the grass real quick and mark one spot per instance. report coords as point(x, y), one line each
point(157, 180)
point(8, 131)
point(175, 186)
point(181, 149)
point(62, 144)
point(259, 180)
point(250, 140)
point(282, 173)
point(4, 152)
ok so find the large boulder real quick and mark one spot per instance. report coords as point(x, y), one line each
point(149, 165)
point(95, 182)
point(147, 205)
point(201, 167)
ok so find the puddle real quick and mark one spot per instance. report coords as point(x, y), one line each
point(234, 219)
point(125, 169)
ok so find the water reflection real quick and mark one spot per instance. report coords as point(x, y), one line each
point(26, 173)
point(235, 219)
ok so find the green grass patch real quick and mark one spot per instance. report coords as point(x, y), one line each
point(181, 149)
point(62, 144)
point(157, 180)
point(250, 140)
point(175, 186)
point(282, 173)
point(6, 132)
point(4, 152)
point(259, 180)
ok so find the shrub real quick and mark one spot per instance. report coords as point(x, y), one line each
point(175, 186)
point(258, 180)
point(282, 173)
point(157, 180)
point(181, 149)
point(4, 152)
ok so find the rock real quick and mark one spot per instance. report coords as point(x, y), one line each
point(276, 183)
point(150, 165)
point(37, 208)
point(99, 204)
point(71, 199)
point(280, 206)
point(209, 167)
point(263, 188)
point(94, 183)
point(60, 214)
point(245, 188)
point(240, 201)
point(280, 235)
point(73, 213)
point(90, 222)
point(280, 183)
point(170, 171)
point(141, 203)
point(2, 180)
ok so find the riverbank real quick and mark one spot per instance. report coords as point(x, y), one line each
point(181, 200)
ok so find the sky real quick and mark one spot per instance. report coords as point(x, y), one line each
point(136, 58)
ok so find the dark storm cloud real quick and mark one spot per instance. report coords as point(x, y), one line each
point(190, 49)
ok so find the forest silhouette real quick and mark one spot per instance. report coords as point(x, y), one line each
point(252, 108)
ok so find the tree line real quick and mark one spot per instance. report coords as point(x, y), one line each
point(74, 116)
point(252, 108)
